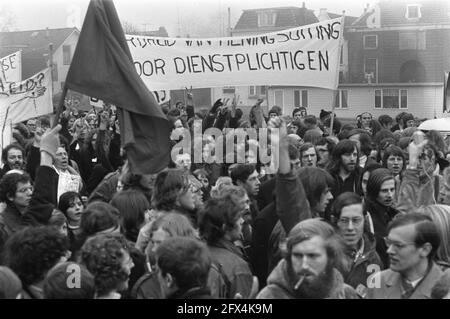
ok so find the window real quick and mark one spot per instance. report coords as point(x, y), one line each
point(257, 91)
point(413, 11)
point(266, 19)
point(66, 54)
point(278, 98)
point(304, 98)
point(229, 90)
point(412, 41)
point(371, 70)
point(403, 99)
point(341, 98)
point(297, 98)
point(370, 41)
point(391, 99)
point(300, 98)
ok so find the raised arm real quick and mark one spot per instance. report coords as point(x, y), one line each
point(292, 204)
point(44, 198)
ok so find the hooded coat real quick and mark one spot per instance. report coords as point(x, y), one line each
point(363, 265)
point(280, 285)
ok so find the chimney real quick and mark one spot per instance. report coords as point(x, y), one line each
point(303, 5)
point(323, 11)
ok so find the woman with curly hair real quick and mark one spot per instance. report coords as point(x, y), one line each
point(108, 258)
point(31, 253)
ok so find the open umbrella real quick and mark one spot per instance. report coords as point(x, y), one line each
point(442, 125)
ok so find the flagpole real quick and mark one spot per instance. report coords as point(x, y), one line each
point(336, 91)
point(60, 105)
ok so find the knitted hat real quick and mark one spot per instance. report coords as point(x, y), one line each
point(10, 284)
point(376, 179)
point(323, 114)
point(275, 109)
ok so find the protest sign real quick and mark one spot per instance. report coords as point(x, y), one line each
point(20, 101)
point(11, 68)
point(303, 56)
point(161, 97)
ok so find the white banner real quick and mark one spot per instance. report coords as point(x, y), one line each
point(304, 56)
point(11, 68)
point(20, 101)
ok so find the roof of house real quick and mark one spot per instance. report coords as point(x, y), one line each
point(286, 17)
point(161, 32)
point(393, 13)
point(348, 19)
point(34, 45)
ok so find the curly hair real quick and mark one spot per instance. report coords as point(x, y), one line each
point(168, 186)
point(103, 256)
point(33, 251)
point(56, 287)
point(8, 185)
point(218, 217)
point(10, 147)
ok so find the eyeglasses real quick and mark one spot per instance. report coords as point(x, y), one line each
point(25, 189)
point(356, 221)
point(397, 245)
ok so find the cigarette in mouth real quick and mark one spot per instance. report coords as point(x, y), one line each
point(299, 282)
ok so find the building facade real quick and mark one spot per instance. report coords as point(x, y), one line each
point(35, 46)
point(393, 59)
point(398, 53)
point(260, 21)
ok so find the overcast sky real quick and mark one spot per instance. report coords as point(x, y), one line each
point(175, 15)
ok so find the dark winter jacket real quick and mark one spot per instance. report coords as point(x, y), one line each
point(231, 260)
point(363, 265)
point(381, 217)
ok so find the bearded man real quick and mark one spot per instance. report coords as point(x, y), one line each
point(309, 270)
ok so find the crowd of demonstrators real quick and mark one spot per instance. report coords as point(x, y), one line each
point(356, 210)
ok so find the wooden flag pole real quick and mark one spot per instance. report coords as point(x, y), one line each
point(60, 106)
point(335, 97)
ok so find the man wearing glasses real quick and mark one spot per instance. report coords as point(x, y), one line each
point(412, 243)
